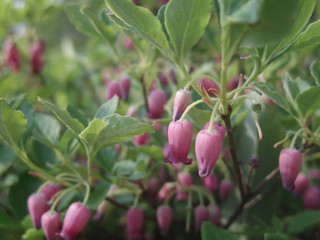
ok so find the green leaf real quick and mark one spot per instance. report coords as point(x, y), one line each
point(47, 129)
point(309, 101)
point(304, 221)
point(248, 12)
point(315, 71)
point(272, 92)
point(108, 108)
point(152, 151)
point(309, 37)
point(290, 87)
point(33, 234)
point(276, 236)
point(12, 123)
point(98, 194)
point(185, 21)
point(120, 128)
point(75, 113)
point(73, 124)
point(102, 29)
point(7, 158)
point(106, 158)
point(212, 232)
point(92, 132)
point(268, 29)
point(81, 23)
point(142, 22)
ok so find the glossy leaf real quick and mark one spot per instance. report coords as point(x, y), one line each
point(12, 123)
point(185, 21)
point(73, 124)
point(309, 101)
point(142, 22)
point(212, 232)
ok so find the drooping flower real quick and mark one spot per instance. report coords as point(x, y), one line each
point(185, 178)
point(50, 222)
point(164, 218)
point(181, 102)
point(300, 184)
point(135, 219)
point(113, 88)
point(156, 101)
point(12, 55)
point(209, 86)
point(289, 166)
point(37, 205)
point(50, 189)
point(225, 189)
point(125, 84)
point(211, 182)
point(140, 140)
point(214, 214)
point(201, 214)
point(311, 197)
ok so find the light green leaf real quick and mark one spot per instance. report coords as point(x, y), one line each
point(102, 29)
point(120, 128)
point(290, 87)
point(212, 232)
point(309, 101)
point(315, 71)
point(92, 132)
point(185, 21)
point(7, 158)
point(108, 108)
point(12, 123)
point(309, 37)
point(98, 195)
point(73, 124)
point(304, 221)
point(247, 12)
point(142, 22)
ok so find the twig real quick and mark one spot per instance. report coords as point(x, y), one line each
point(144, 91)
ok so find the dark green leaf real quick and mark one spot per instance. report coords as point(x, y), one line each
point(7, 158)
point(309, 101)
point(276, 236)
point(290, 87)
point(185, 21)
point(8, 222)
point(212, 232)
point(315, 71)
point(304, 221)
point(98, 194)
point(108, 108)
point(75, 113)
point(106, 158)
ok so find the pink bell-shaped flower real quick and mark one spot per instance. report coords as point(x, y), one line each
point(214, 214)
point(164, 218)
point(180, 139)
point(181, 102)
point(208, 149)
point(135, 218)
point(300, 184)
point(101, 210)
point(125, 85)
point(181, 195)
point(50, 222)
point(12, 55)
point(225, 189)
point(311, 198)
point(185, 178)
point(289, 166)
point(37, 205)
point(201, 214)
point(140, 140)
point(166, 190)
point(208, 85)
point(76, 219)
point(156, 101)
point(36, 61)
point(50, 189)
point(211, 182)
point(113, 88)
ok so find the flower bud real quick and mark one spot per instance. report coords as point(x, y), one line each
point(37, 205)
point(12, 55)
point(208, 149)
point(50, 222)
point(125, 84)
point(208, 85)
point(181, 102)
point(211, 182)
point(132, 111)
point(135, 220)
point(128, 43)
point(289, 166)
point(101, 210)
point(314, 173)
point(36, 52)
point(163, 79)
point(76, 219)
point(300, 184)
point(181, 195)
point(233, 83)
point(50, 189)
point(166, 190)
point(201, 214)
point(226, 188)
point(156, 101)
point(180, 139)
point(157, 126)
point(139, 140)
point(164, 218)
point(311, 198)
point(185, 178)
point(113, 88)
point(214, 214)
point(173, 76)
point(153, 185)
